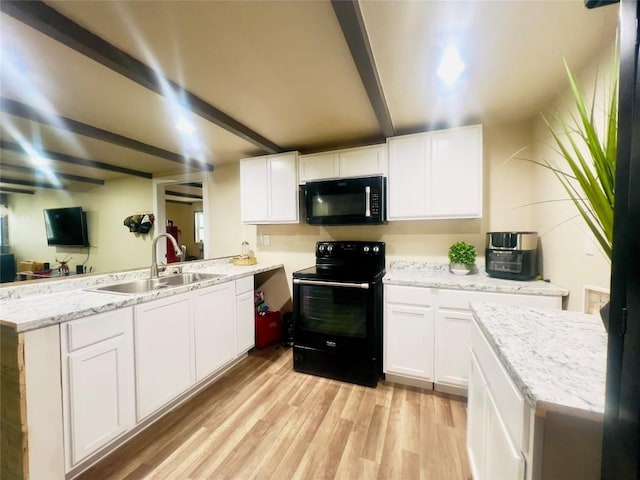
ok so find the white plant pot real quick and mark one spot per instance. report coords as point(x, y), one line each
point(460, 268)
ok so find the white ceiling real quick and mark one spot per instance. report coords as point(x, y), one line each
point(284, 70)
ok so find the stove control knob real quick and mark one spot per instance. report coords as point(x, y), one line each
point(365, 249)
point(321, 248)
point(376, 249)
point(329, 248)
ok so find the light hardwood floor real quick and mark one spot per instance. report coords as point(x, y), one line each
point(263, 420)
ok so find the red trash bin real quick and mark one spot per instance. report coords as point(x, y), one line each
point(268, 328)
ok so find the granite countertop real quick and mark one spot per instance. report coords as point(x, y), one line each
point(437, 275)
point(556, 358)
point(44, 303)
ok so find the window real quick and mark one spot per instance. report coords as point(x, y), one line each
point(198, 219)
point(4, 223)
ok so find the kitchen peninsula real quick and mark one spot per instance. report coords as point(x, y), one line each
point(536, 393)
point(66, 346)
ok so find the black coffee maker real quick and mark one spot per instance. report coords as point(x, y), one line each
point(512, 255)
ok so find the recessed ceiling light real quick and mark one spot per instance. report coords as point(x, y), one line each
point(38, 160)
point(185, 126)
point(451, 66)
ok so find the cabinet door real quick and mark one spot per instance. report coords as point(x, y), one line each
point(409, 341)
point(163, 333)
point(254, 190)
point(452, 347)
point(318, 166)
point(214, 323)
point(502, 458)
point(100, 393)
point(409, 159)
point(456, 172)
point(476, 417)
point(283, 188)
point(363, 161)
point(246, 325)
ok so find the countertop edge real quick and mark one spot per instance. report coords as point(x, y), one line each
point(123, 300)
point(519, 288)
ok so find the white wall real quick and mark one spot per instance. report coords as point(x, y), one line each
point(225, 229)
point(564, 232)
point(113, 247)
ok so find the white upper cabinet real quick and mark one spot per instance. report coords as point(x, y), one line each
point(351, 162)
point(269, 189)
point(436, 174)
point(318, 166)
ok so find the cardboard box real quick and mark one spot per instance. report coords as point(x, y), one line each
point(27, 267)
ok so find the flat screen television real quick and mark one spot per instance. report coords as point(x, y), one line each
point(66, 227)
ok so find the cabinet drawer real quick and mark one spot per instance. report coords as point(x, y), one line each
point(244, 284)
point(537, 301)
point(510, 403)
point(460, 299)
point(408, 295)
point(84, 332)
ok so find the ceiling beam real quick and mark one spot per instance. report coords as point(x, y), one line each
point(23, 110)
point(185, 195)
point(30, 183)
point(44, 173)
point(355, 33)
point(15, 190)
point(63, 157)
point(50, 22)
point(179, 202)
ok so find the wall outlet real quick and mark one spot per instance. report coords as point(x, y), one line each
point(266, 240)
point(595, 298)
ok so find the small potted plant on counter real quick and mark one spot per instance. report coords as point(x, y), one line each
point(462, 256)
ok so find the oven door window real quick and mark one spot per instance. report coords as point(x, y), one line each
point(336, 311)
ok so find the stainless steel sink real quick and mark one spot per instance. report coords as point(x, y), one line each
point(151, 284)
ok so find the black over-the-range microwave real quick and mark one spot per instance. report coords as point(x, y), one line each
point(346, 201)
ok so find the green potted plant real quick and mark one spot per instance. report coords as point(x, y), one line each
point(462, 256)
point(591, 157)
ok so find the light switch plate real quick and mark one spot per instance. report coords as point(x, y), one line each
point(588, 244)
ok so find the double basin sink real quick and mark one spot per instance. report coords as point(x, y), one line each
point(146, 285)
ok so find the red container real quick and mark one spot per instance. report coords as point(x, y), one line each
point(268, 328)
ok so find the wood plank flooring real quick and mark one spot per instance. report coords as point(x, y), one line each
point(263, 420)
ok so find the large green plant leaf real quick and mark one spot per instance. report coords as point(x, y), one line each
point(591, 158)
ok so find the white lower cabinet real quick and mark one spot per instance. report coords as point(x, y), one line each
point(426, 330)
point(408, 332)
point(452, 347)
point(494, 452)
point(163, 352)
point(214, 314)
point(245, 317)
point(121, 367)
point(476, 418)
point(97, 381)
point(502, 458)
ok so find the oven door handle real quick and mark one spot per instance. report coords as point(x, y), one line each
point(324, 283)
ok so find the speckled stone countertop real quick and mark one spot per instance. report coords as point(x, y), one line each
point(557, 359)
point(39, 304)
point(437, 275)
